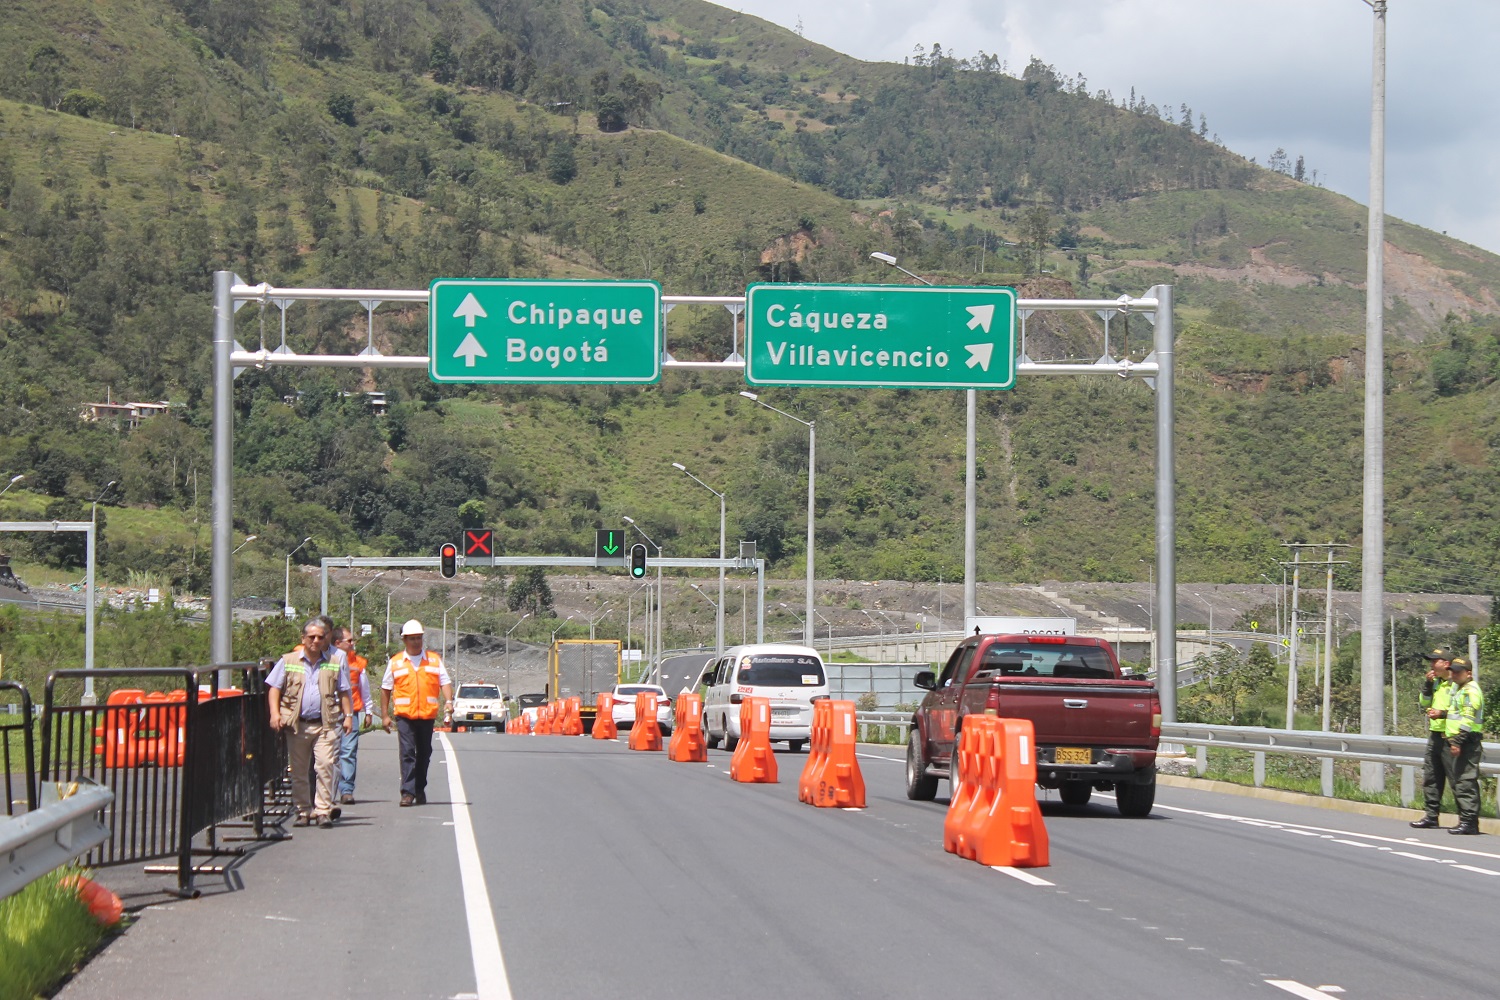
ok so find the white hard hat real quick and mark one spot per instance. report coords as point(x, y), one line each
point(412, 627)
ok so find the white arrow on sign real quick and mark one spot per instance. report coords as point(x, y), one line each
point(983, 315)
point(469, 308)
point(469, 350)
point(979, 354)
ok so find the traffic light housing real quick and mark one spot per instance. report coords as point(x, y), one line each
point(448, 556)
point(637, 561)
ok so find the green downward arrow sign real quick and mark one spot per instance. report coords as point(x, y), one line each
point(611, 546)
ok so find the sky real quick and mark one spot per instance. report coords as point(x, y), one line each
point(1268, 74)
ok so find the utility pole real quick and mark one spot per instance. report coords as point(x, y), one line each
point(1296, 628)
point(1328, 630)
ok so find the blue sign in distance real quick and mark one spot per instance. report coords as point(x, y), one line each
point(540, 331)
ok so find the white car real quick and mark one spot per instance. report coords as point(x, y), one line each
point(624, 705)
point(791, 677)
point(477, 706)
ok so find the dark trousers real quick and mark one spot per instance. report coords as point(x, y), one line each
point(415, 736)
point(1465, 778)
point(1435, 768)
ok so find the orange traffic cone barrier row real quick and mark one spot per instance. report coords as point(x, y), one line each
point(604, 718)
point(753, 761)
point(993, 817)
point(645, 734)
point(832, 776)
point(520, 725)
point(688, 745)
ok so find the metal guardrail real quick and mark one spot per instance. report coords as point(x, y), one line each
point(1406, 751)
point(43, 839)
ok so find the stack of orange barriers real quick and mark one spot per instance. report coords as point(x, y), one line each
point(146, 729)
point(753, 761)
point(993, 817)
point(832, 776)
point(687, 744)
point(571, 716)
point(645, 734)
point(604, 718)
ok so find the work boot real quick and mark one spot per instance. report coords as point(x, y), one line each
point(346, 799)
point(326, 822)
point(335, 812)
point(421, 798)
point(1466, 829)
point(407, 800)
point(1425, 823)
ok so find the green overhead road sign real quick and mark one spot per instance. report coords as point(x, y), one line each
point(888, 336)
point(494, 330)
point(609, 546)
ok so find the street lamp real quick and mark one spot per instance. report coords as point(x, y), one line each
point(812, 467)
point(13, 481)
point(806, 639)
point(718, 608)
point(507, 652)
point(653, 615)
point(560, 628)
point(456, 620)
point(830, 633)
point(286, 600)
point(593, 621)
point(247, 541)
point(1210, 608)
point(971, 531)
point(352, 596)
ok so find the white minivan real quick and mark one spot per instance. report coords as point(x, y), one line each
point(792, 677)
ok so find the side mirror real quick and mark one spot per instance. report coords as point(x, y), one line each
point(707, 679)
point(925, 679)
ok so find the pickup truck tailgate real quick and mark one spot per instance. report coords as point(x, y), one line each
point(1101, 713)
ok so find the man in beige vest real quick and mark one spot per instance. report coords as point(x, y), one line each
point(308, 692)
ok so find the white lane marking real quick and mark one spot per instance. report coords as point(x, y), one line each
point(1415, 857)
point(1328, 833)
point(484, 940)
point(1479, 871)
point(1330, 989)
point(1296, 989)
point(290, 920)
point(1021, 874)
point(880, 756)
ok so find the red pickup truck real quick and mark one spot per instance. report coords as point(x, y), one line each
point(1095, 727)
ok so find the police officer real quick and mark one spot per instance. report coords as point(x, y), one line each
point(415, 683)
point(1464, 732)
point(1437, 691)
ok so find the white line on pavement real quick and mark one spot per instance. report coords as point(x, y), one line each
point(1024, 876)
point(484, 939)
point(1297, 989)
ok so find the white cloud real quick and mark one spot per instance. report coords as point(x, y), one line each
point(1275, 73)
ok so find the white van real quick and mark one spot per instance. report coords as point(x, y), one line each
point(792, 677)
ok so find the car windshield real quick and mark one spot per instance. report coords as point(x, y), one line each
point(478, 691)
point(1028, 660)
point(781, 670)
point(640, 689)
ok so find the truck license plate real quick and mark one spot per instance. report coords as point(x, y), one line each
point(1072, 755)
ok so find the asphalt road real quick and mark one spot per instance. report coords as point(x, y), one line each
point(607, 872)
point(678, 672)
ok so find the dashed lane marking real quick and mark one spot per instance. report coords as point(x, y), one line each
point(1297, 989)
point(1021, 875)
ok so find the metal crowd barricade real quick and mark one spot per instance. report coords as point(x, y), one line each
point(24, 727)
point(179, 764)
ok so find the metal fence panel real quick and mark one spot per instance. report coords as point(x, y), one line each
point(23, 726)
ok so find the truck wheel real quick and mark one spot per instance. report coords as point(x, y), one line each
point(795, 746)
point(1136, 800)
point(1075, 793)
point(920, 786)
point(709, 737)
point(730, 742)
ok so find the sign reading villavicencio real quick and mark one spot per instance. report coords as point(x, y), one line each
point(928, 337)
point(499, 330)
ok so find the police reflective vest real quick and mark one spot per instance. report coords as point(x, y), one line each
point(1465, 711)
point(296, 677)
point(415, 686)
point(357, 665)
point(1440, 697)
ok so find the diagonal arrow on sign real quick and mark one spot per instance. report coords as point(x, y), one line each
point(979, 354)
point(982, 316)
point(470, 349)
point(470, 308)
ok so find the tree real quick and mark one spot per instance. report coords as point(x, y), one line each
point(562, 166)
point(1034, 237)
point(531, 592)
point(611, 114)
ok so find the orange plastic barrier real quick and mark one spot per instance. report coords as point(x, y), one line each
point(993, 817)
point(687, 744)
point(544, 719)
point(117, 735)
point(520, 725)
point(604, 718)
point(102, 904)
point(753, 760)
point(645, 734)
point(832, 776)
point(572, 717)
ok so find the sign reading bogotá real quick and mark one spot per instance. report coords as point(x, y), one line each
point(500, 330)
point(891, 336)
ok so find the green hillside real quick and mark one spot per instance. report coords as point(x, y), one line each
point(145, 144)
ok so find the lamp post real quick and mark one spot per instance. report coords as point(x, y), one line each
point(830, 633)
point(286, 599)
point(718, 608)
point(456, 620)
point(92, 596)
point(812, 469)
point(13, 481)
point(652, 615)
point(971, 400)
point(507, 652)
point(247, 541)
point(593, 621)
point(879, 625)
point(806, 639)
point(560, 628)
point(361, 590)
point(443, 648)
point(1210, 608)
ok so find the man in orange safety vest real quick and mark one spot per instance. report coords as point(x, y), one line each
point(415, 687)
